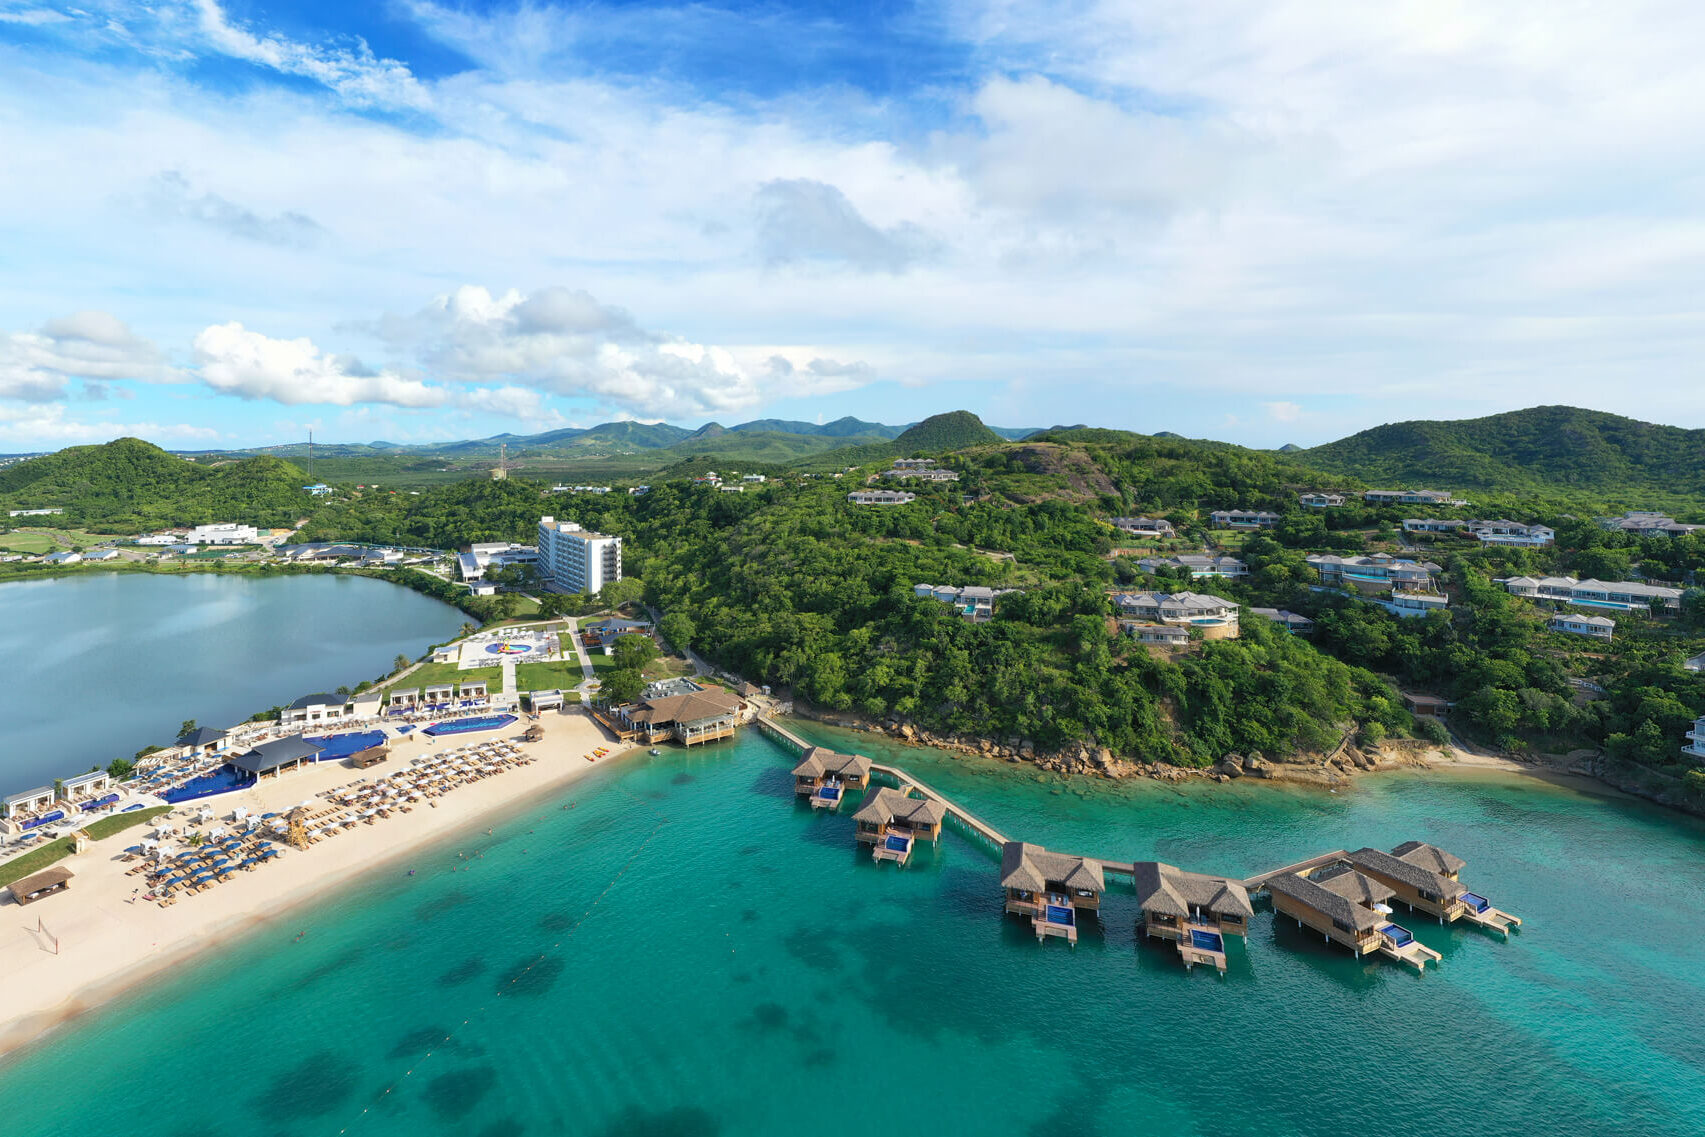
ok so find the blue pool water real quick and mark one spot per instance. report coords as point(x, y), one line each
point(1207, 941)
point(1478, 903)
point(1398, 934)
point(221, 780)
point(899, 844)
point(468, 726)
point(1060, 914)
point(338, 746)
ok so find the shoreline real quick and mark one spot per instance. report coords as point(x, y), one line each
point(102, 928)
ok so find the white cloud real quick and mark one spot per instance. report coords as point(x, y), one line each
point(90, 345)
point(236, 361)
point(354, 72)
point(1283, 412)
point(46, 426)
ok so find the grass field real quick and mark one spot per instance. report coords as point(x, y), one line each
point(563, 674)
point(38, 859)
point(45, 540)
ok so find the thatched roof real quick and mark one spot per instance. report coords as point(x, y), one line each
point(1354, 886)
point(40, 882)
point(1330, 902)
point(1033, 868)
point(1174, 892)
point(692, 707)
point(1430, 857)
point(820, 761)
point(1387, 867)
point(886, 805)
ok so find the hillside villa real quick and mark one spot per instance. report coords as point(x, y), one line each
point(1243, 519)
point(1374, 573)
point(1197, 564)
point(1643, 522)
point(1292, 622)
point(1599, 627)
point(1694, 751)
point(1486, 532)
point(881, 497)
point(1159, 635)
point(1214, 615)
point(1195, 912)
point(975, 602)
point(1627, 595)
point(1050, 888)
point(1145, 526)
point(1410, 497)
point(1320, 500)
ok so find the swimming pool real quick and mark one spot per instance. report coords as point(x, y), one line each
point(1397, 934)
point(468, 726)
point(1207, 941)
point(220, 781)
point(336, 746)
point(1060, 914)
point(1476, 902)
point(898, 844)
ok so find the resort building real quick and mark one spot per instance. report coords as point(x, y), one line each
point(44, 883)
point(1348, 908)
point(403, 699)
point(1627, 595)
point(1214, 615)
point(910, 464)
point(64, 558)
point(1424, 877)
point(1243, 519)
point(1194, 911)
point(315, 708)
point(823, 776)
point(226, 533)
point(1198, 565)
point(29, 802)
point(1320, 500)
point(438, 696)
point(1159, 635)
point(1433, 525)
point(1050, 889)
point(759, 479)
point(572, 559)
point(1296, 625)
point(1410, 497)
point(546, 700)
point(881, 497)
point(1694, 751)
point(318, 489)
point(1426, 706)
point(85, 787)
point(1599, 627)
point(280, 756)
point(101, 555)
point(891, 822)
point(32, 512)
point(1145, 526)
point(483, 556)
point(699, 716)
point(202, 740)
point(927, 473)
point(1512, 533)
point(1407, 604)
point(1374, 573)
point(975, 602)
point(1644, 522)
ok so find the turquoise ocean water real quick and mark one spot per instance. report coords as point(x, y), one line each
point(686, 952)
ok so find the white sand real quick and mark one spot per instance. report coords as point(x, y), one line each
point(109, 940)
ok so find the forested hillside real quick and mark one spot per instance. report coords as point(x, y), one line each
point(130, 486)
point(1562, 450)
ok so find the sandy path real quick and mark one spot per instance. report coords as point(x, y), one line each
point(108, 940)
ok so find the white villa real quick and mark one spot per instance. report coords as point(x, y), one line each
point(315, 708)
point(494, 554)
point(1408, 604)
point(1599, 627)
point(1695, 748)
point(975, 602)
point(1628, 596)
point(1486, 532)
point(1372, 573)
point(1243, 519)
point(223, 533)
point(1199, 565)
point(1161, 635)
point(1294, 623)
point(1215, 615)
point(1645, 521)
point(1320, 500)
point(1145, 526)
point(1410, 497)
point(923, 469)
point(881, 497)
point(32, 512)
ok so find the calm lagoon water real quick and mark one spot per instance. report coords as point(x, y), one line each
point(102, 664)
point(676, 948)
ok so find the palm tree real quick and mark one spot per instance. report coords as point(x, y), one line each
point(467, 630)
point(400, 663)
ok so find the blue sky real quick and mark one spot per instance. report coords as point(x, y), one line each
point(223, 224)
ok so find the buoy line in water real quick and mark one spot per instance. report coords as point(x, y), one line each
point(522, 974)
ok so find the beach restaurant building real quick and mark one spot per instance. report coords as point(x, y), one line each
point(280, 756)
point(1194, 911)
point(1050, 888)
point(698, 716)
point(891, 821)
point(315, 708)
point(823, 776)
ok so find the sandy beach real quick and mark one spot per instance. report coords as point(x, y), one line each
point(109, 939)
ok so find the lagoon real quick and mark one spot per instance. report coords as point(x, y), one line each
point(675, 947)
point(101, 664)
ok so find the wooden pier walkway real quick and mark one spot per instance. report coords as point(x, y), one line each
point(977, 827)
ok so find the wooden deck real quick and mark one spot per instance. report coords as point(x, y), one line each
point(1259, 880)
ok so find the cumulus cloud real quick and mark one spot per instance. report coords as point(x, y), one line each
point(169, 196)
point(1283, 411)
point(90, 345)
point(236, 361)
point(353, 71)
point(39, 427)
point(801, 220)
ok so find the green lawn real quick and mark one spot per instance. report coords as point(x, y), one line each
point(433, 673)
point(563, 674)
point(38, 859)
point(666, 667)
point(45, 539)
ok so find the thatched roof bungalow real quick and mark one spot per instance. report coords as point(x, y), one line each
point(1050, 888)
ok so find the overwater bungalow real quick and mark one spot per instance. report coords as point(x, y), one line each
point(1348, 908)
point(1050, 888)
point(892, 821)
point(44, 883)
point(1194, 911)
point(1425, 878)
point(280, 756)
point(824, 776)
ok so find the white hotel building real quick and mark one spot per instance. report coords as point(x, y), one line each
point(572, 559)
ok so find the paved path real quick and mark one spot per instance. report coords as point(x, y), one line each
point(587, 678)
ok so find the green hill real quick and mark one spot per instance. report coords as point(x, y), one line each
point(1567, 449)
point(955, 430)
point(128, 486)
